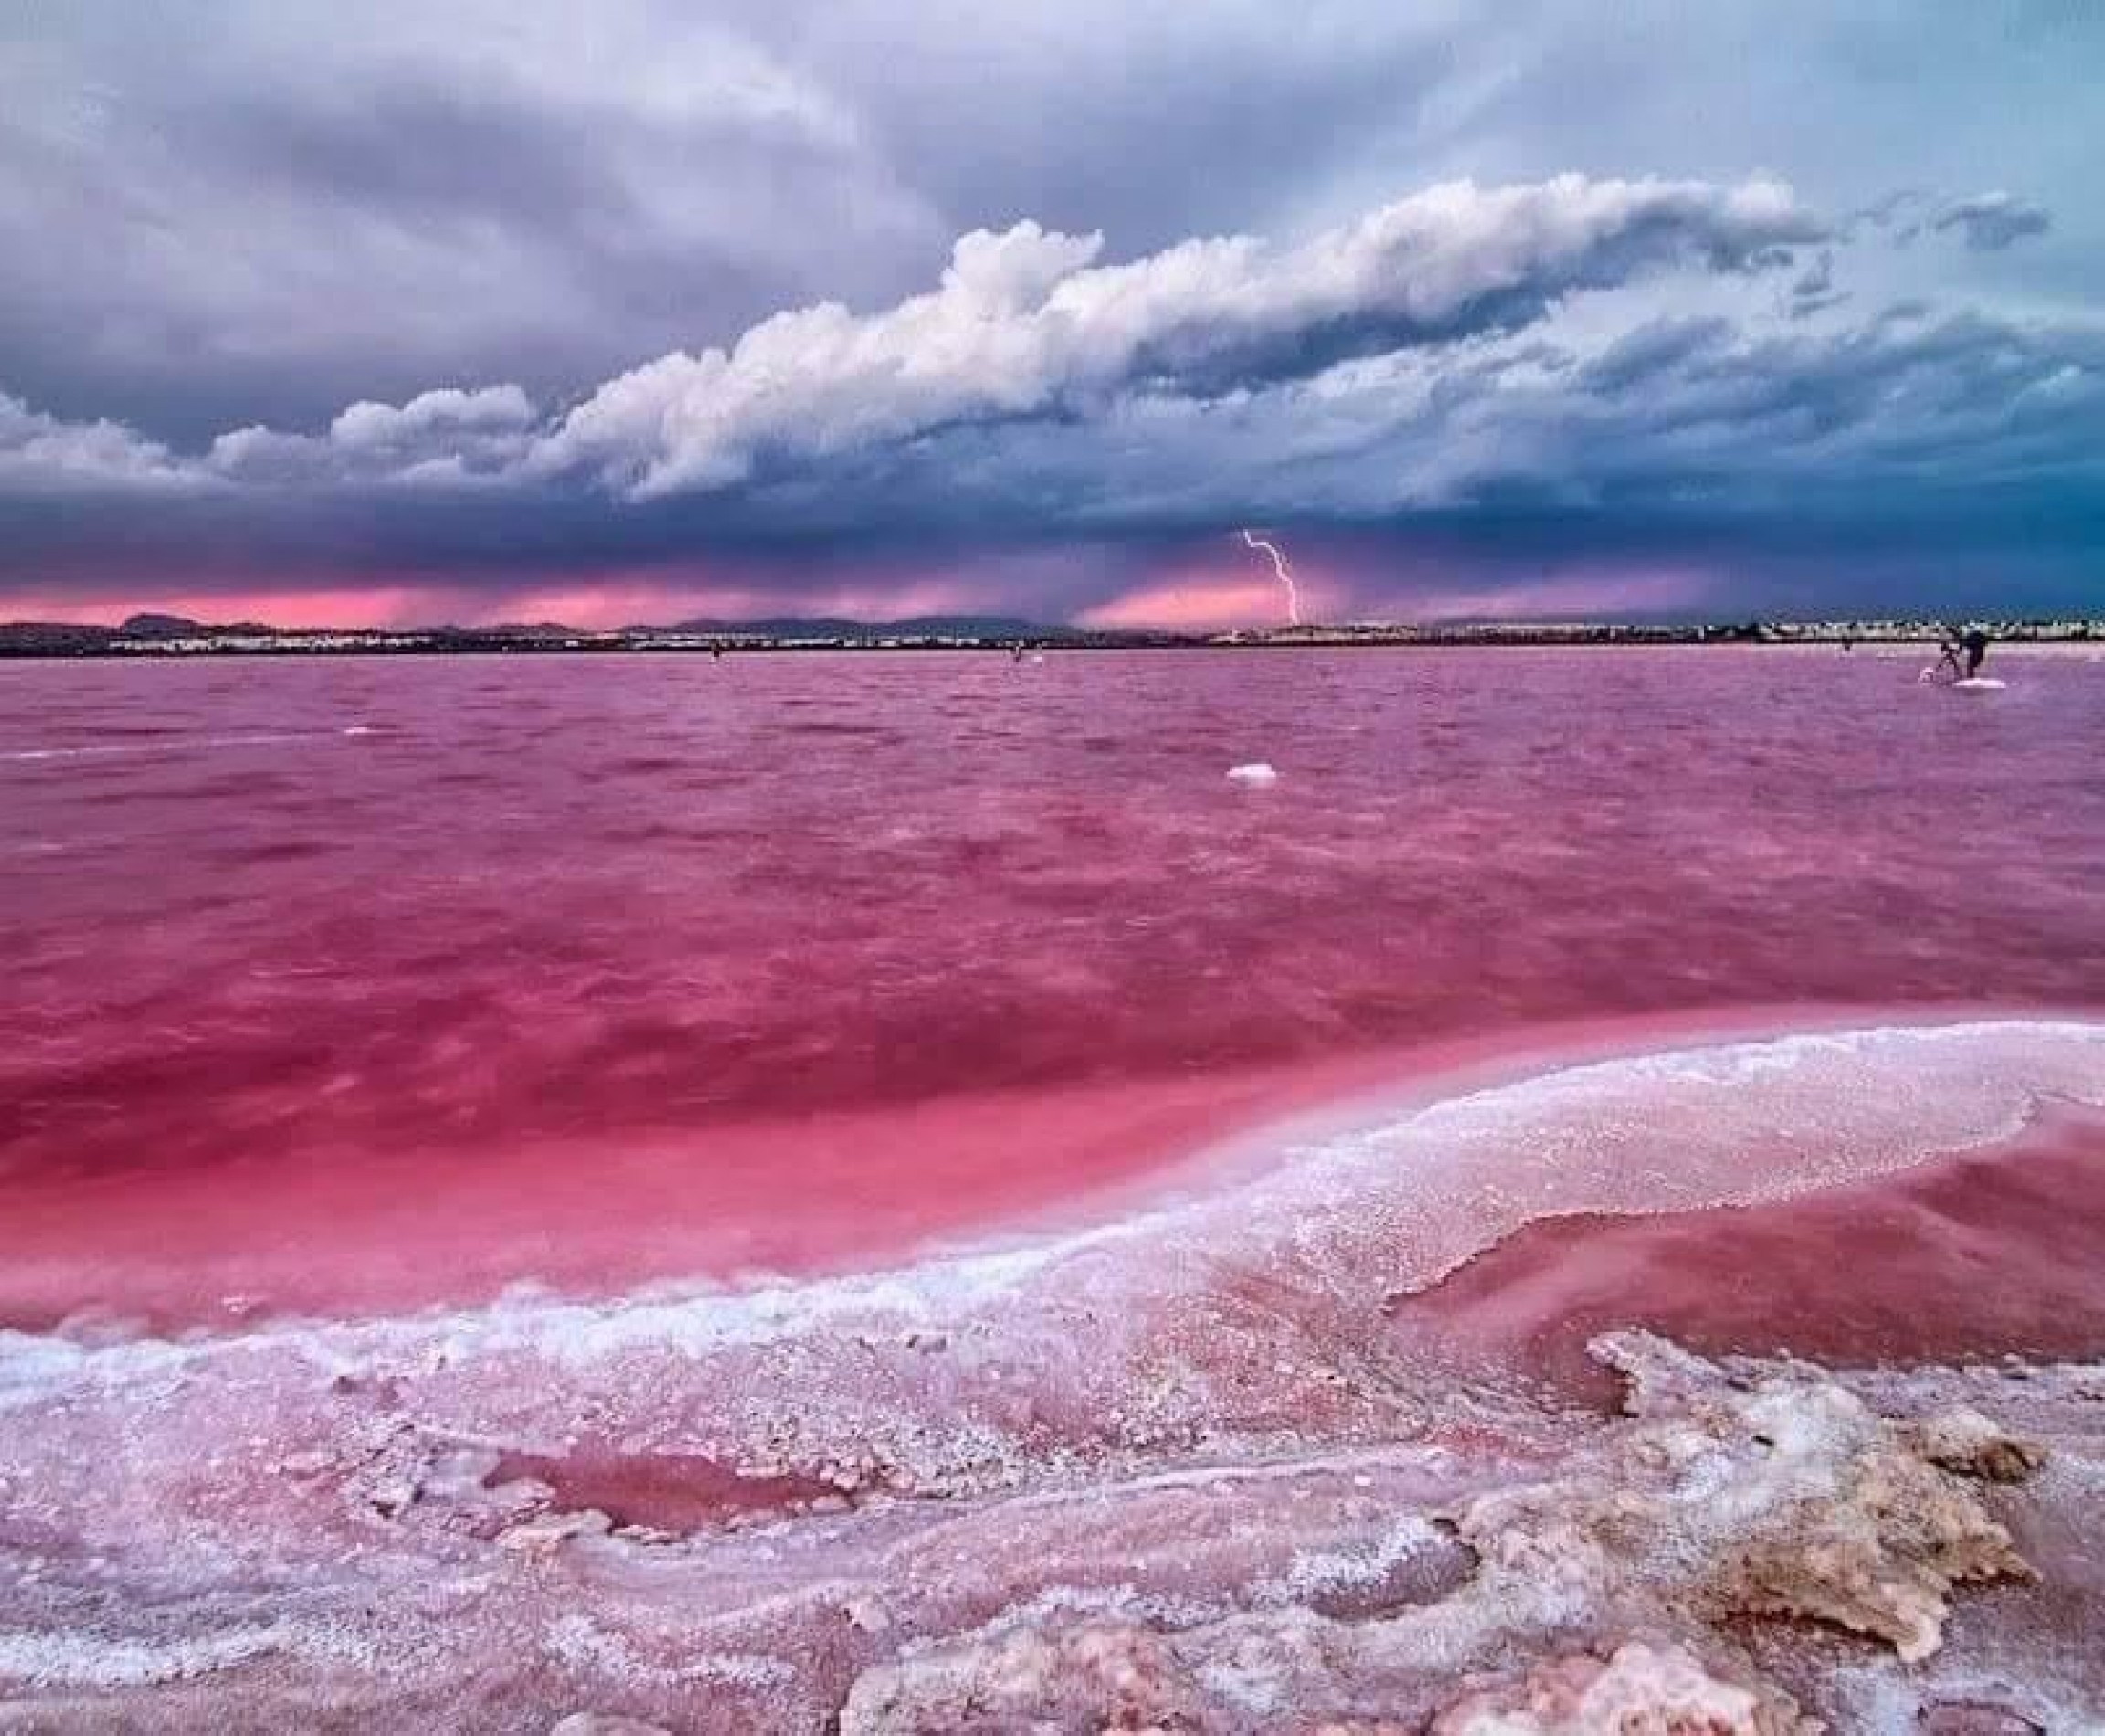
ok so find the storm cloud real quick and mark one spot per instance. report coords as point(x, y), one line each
point(1025, 323)
point(1992, 221)
point(787, 300)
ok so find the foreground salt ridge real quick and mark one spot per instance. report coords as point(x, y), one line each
point(1191, 1427)
point(1611, 1579)
point(1782, 1494)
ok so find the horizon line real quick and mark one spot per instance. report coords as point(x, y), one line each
point(166, 624)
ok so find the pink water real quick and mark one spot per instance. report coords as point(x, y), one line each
point(809, 956)
point(742, 1007)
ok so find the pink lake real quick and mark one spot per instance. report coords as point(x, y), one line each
point(344, 980)
point(738, 1193)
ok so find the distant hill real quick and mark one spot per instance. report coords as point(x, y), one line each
point(134, 629)
point(516, 630)
point(68, 635)
point(151, 626)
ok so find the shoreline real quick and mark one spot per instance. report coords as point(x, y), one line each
point(229, 1248)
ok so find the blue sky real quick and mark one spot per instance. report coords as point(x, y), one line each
point(644, 310)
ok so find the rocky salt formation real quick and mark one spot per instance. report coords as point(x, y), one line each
point(1725, 1493)
point(1108, 1679)
point(1820, 1508)
point(1389, 1587)
point(1963, 1440)
point(1639, 1688)
point(1391, 1590)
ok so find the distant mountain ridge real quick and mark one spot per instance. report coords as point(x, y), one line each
point(152, 634)
point(153, 625)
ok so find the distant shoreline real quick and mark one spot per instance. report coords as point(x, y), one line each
point(167, 637)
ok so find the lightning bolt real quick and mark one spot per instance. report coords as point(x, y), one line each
point(1282, 572)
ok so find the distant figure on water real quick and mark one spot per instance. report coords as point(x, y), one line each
point(1974, 642)
point(1948, 655)
point(1960, 653)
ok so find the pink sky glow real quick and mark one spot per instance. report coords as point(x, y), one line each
point(1216, 592)
point(1233, 588)
point(1213, 596)
point(591, 602)
point(1574, 595)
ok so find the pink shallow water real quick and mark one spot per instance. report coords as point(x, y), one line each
point(390, 980)
point(1993, 1251)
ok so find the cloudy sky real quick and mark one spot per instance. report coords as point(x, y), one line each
point(637, 311)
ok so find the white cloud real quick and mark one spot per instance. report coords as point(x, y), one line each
point(448, 435)
point(1025, 323)
point(41, 454)
point(370, 426)
point(1426, 356)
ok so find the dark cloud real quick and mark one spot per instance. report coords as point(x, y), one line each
point(1814, 290)
point(257, 214)
point(1024, 324)
point(475, 228)
point(260, 212)
point(1992, 221)
point(1864, 454)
